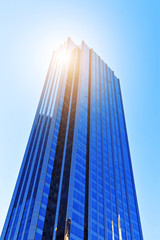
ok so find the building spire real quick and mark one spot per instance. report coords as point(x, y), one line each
point(112, 230)
point(119, 228)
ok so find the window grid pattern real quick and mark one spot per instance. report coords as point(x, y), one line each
point(42, 213)
point(130, 188)
point(109, 159)
point(78, 212)
point(23, 180)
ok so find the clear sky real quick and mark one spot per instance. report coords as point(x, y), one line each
point(126, 34)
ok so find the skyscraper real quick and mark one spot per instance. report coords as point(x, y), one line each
point(76, 179)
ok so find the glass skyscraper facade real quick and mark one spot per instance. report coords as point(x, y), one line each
point(76, 180)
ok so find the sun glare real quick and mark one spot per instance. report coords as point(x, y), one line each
point(65, 57)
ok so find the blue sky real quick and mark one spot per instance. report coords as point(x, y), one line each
point(126, 34)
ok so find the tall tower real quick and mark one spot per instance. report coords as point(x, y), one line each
point(76, 179)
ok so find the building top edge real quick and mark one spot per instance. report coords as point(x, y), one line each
point(74, 45)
